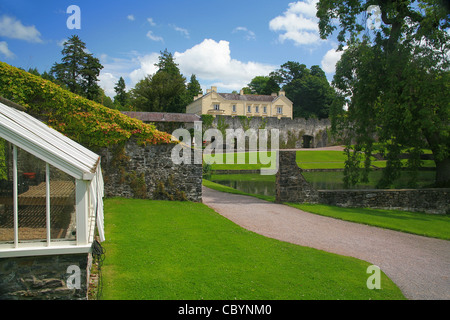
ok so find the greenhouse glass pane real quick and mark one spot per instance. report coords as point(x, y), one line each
point(6, 193)
point(62, 204)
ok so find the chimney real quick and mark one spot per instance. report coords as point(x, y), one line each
point(213, 88)
point(208, 90)
point(241, 92)
point(274, 94)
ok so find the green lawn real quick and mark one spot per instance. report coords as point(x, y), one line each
point(311, 159)
point(166, 250)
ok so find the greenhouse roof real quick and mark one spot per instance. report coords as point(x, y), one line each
point(53, 147)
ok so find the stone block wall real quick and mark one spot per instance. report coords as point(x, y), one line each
point(44, 277)
point(148, 172)
point(294, 133)
point(291, 186)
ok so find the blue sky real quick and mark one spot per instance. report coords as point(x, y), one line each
point(224, 43)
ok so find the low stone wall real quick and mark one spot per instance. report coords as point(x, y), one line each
point(147, 172)
point(291, 186)
point(45, 277)
point(435, 201)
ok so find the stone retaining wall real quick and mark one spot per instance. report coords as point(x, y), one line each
point(44, 277)
point(294, 133)
point(135, 171)
point(291, 186)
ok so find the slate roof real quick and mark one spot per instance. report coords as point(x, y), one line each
point(162, 116)
point(247, 97)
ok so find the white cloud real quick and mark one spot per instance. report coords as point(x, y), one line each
point(146, 67)
point(12, 28)
point(5, 50)
point(61, 43)
point(107, 83)
point(130, 17)
point(152, 23)
point(180, 30)
point(330, 59)
point(249, 35)
point(298, 23)
point(211, 61)
point(153, 37)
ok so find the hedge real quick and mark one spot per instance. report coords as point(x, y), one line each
point(87, 122)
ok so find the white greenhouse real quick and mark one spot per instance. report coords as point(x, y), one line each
point(51, 189)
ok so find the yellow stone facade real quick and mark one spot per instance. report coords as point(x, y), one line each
point(214, 103)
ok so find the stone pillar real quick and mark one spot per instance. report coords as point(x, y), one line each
point(291, 186)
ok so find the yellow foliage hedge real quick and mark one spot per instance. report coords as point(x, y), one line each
point(87, 122)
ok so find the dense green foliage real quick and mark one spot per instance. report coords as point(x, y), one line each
point(122, 98)
point(87, 122)
point(78, 70)
point(308, 89)
point(395, 81)
point(166, 90)
point(185, 250)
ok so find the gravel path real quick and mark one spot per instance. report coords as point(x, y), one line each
point(420, 266)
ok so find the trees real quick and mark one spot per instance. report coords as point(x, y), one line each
point(308, 89)
point(395, 81)
point(193, 88)
point(78, 70)
point(265, 85)
point(163, 91)
point(121, 97)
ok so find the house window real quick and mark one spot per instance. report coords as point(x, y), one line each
point(280, 110)
point(249, 109)
point(216, 107)
point(257, 109)
point(234, 108)
point(264, 109)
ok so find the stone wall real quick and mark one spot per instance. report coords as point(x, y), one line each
point(294, 133)
point(291, 186)
point(147, 172)
point(44, 277)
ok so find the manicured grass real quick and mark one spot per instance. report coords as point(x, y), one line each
point(311, 159)
point(435, 226)
point(167, 250)
point(429, 225)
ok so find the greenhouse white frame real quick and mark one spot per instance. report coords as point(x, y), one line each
point(49, 145)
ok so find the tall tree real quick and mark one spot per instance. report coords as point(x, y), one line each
point(165, 91)
point(264, 85)
point(78, 70)
point(394, 78)
point(121, 97)
point(193, 88)
point(308, 89)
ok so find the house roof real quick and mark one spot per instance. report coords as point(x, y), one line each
point(53, 147)
point(247, 97)
point(162, 116)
